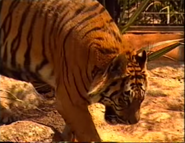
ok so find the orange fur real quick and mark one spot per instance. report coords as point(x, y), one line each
point(72, 47)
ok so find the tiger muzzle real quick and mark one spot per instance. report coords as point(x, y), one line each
point(133, 120)
point(112, 118)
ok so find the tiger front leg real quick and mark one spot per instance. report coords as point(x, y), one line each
point(77, 117)
point(68, 134)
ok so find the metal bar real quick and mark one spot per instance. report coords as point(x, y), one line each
point(163, 13)
point(153, 29)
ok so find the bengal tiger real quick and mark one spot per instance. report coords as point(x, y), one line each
point(76, 49)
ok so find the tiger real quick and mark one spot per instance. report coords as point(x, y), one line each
point(76, 49)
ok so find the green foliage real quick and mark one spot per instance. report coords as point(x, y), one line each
point(156, 12)
point(134, 16)
point(172, 44)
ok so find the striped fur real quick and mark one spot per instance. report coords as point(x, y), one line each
point(76, 49)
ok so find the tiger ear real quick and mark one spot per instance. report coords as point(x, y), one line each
point(117, 67)
point(141, 58)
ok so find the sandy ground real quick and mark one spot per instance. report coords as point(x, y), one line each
point(162, 112)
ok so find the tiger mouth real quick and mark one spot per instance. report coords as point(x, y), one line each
point(112, 118)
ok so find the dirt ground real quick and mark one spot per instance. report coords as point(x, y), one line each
point(162, 112)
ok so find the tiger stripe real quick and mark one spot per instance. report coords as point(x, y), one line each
point(76, 49)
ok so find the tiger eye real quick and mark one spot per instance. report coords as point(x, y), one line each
point(127, 92)
point(106, 90)
point(120, 101)
point(113, 83)
point(140, 84)
point(114, 93)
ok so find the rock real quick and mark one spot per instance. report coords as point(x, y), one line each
point(26, 131)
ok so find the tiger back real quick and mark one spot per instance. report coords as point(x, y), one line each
point(76, 49)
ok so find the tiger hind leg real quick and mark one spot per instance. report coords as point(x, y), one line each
point(68, 134)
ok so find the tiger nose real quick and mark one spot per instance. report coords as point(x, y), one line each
point(133, 120)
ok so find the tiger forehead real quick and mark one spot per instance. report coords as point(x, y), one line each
point(132, 63)
point(133, 67)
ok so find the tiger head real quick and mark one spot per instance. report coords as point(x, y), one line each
point(121, 88)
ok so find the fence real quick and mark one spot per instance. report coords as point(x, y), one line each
point(158, 12)
point(159, 15)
